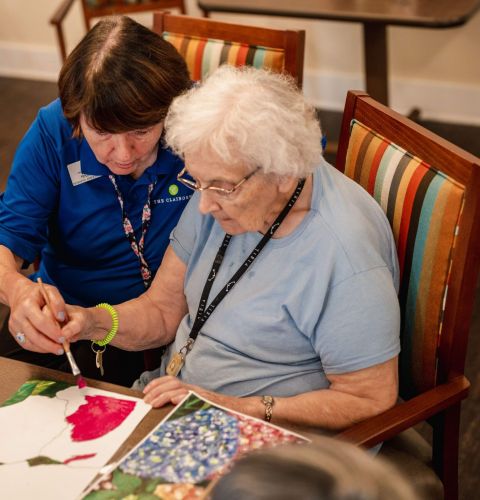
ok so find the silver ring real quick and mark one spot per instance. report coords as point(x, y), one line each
point(21, 339)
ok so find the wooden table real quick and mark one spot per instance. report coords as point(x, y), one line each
point(375, 16)
point(14, 373)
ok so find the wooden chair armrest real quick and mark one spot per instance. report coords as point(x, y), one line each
point(406, 414)
point(61, 12)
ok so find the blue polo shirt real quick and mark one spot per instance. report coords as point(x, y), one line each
point(59, 203)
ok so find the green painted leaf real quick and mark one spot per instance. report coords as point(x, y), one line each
point(191, 404)
point(126, 483)
point(42, 460)
point(48, 388)
point(151, 485)
point(22, 393)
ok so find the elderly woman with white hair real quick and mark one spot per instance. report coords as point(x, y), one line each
point(277, 293)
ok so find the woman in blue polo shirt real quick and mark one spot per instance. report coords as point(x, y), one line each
point(93, 191)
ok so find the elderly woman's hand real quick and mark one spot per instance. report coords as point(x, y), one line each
point(84, 324)
point(168, 389)
point(165, 390)
point(31, 324)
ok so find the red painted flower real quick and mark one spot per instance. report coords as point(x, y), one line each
point(98, 416)
point(79, 457)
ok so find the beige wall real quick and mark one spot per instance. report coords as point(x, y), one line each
point(425, 64)
point(438, 54)
point(25, 21)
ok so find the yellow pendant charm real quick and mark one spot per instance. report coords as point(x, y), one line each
point(175, 364)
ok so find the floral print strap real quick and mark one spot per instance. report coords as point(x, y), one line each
point(138, 248)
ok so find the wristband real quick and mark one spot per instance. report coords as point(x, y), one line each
point(113, 330)
point(268, 401)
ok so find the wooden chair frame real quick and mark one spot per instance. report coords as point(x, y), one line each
point(118, 8)
point(441, 404)
point(292, 42)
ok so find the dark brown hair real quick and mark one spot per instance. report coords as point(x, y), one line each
point(121, 76)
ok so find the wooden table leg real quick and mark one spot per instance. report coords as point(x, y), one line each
point(376, 60)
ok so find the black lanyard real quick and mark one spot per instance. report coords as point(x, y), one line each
point(203, 312)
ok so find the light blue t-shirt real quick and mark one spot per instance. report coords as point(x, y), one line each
point(319, 301)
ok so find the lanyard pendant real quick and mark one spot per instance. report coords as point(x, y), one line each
point(175, 364)
point(178, 359)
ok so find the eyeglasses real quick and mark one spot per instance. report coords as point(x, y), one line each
point(222, 191)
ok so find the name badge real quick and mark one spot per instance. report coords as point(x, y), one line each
point(76, 175)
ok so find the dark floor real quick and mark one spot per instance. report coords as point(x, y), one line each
point(19, 102)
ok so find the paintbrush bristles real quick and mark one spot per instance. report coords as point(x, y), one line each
point(73, 365)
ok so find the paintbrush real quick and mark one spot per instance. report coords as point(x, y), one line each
point(66, 345)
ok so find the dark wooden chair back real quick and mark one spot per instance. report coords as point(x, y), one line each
point(430, 192)
point(100, 8)
point(206, 44)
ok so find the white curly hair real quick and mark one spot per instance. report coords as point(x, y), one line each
point(250, 116)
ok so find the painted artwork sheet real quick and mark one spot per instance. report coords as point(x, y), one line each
point(194, 445)
point(55, 437)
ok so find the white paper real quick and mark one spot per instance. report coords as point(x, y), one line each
point(37, 427)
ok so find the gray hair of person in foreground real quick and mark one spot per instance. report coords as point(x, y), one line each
point(327, 470)
point(247, 116)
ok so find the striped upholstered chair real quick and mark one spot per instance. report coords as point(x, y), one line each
point(206, 44)
point(430, 192)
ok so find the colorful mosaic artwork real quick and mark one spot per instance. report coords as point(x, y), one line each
point(195, 444)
